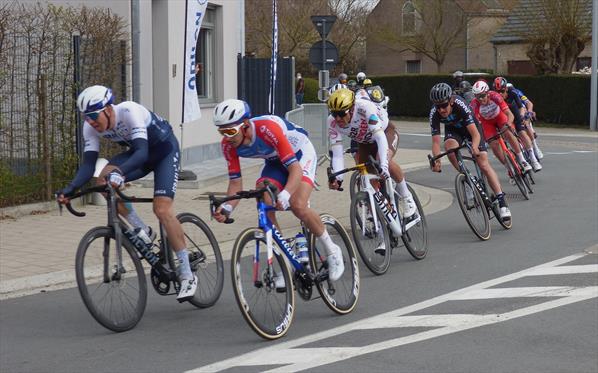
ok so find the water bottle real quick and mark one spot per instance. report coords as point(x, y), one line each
point(141, 233)
point(301, 248)
point(143, 243)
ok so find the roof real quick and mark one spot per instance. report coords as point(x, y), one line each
point(525, 12)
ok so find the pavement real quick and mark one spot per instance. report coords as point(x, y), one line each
point(37, 246)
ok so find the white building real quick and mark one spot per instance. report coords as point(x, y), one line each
point(161, 46)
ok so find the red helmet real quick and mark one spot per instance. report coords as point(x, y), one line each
point(500, 83)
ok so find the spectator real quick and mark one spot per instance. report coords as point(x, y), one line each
point(299, 89)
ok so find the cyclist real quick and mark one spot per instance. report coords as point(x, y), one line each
point(290, 164)
point(360, 79)
point(459, 125)
point(457, 80)
point(368, 125)
point(518, 110)
point(352, 85)
point(465, 92)
point(152, 147)
point(493, 112)
point(335, 87)
point(342, 78)
point(367, 83)
point(529, 116)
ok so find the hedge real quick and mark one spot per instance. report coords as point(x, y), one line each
point(563, 99)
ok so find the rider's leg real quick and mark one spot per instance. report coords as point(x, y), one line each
point(449, 144)
point(505, 213)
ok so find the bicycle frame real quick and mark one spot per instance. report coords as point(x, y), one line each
point(505, 149)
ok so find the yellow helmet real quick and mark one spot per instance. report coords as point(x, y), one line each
point(341, 100)
point(367, 83)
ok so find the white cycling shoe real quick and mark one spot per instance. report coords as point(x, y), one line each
point(505, 214)
point(536, 166)
point(408, 206)
point(188, 288)
point(336, 267)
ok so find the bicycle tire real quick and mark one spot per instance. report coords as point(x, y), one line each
point(517, 177)
point(417, 248)
point(89, 268)
point(496, 211)
point(528, 180)
point(252, 304)
point(205, 259)
point(378, 263)
point(483, 232)
point(354, 184)
point(341, 295)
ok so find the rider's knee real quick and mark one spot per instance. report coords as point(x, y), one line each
point(299, 209)
point(162, 209)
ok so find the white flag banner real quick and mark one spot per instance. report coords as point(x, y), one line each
point(194, 12)
point(274, 59)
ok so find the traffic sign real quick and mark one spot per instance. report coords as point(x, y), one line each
point(323, 24)
point(316, 54)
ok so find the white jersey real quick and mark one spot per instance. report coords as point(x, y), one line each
point(133, 121)
point(367, 118)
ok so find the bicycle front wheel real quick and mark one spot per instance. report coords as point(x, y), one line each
point(114, 293)
point(205, 260)
point(416, 237)
point(340, 295)
point(516, 175)
point(374, 247)
point(354, 184)
point(474, 210)
point(264, 292)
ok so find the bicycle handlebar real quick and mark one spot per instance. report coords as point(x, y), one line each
point(244, 194)
point(433, 159)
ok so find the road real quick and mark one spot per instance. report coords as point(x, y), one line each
point(527, 300)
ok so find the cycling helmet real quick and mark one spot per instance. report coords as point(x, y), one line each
point(342, 78)
point(509, 85)
point(500, 83)
point(480, 87)
point(458, 74)
point(440, 93)
point(94, 98)
point(367, 83)
point(231, 111)
point(341, 100)
point(336, 87)
point(465, 86)
point(352, 85)
point(360, 77)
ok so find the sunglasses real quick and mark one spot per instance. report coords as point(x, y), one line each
point(442, 106)
point(481, 95)
point(230, 131)
point(339, 114)
point(94, 114)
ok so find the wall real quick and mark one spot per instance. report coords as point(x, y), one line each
point(517, 52)
point(480, 52)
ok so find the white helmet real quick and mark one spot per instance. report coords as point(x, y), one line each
point(231, 111)
point(509, 85)
point(458, 73)
point(94, 98)
point(480, 87)
point(360, 77)
point(335, 87)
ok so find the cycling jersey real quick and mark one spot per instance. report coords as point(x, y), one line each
point(490, 110)
point(280, 143)
point(513, 99)
point(456, 123)
point(521, 95)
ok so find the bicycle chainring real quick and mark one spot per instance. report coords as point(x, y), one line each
point(160, 282)
point(304, 285)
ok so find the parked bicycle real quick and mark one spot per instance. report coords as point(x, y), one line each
point(262, 280)
point(473, 194)
point(112, 281)
point(374, 236)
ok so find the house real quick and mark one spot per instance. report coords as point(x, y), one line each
point(471, 50)
point(511, 48)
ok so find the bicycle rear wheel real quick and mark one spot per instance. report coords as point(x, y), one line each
point(528, 180)
point(374, 247)
point(516, 175)
point(416, 237)
point(115, 297)
point(340, 295)
point(205, 260)
point(266, 302)
point(474, 211)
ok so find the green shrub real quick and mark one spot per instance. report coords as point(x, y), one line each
point(311, 91)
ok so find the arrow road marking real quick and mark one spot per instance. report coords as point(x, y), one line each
point(294, 358)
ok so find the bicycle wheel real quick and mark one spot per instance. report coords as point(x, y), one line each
point(516, 176)
point(354, 184)
point(205, 260)
point(115, 297)
point(340, 295)
point(374, 247)
point(528, 180)
point(416, 237)
point(266, 303)
point(474, 211)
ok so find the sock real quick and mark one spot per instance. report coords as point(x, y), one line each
point(402, 189)
point(326, 241)
point(532, 156)
point(501, 199)
point(135, 220)
point(184, 267)
point(520, 157)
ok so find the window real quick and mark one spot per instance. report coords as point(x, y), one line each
point(413, 67)
point(583, 62)
point(205, 58)
point(409, 18)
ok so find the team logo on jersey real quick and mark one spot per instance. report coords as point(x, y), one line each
point(267, 132)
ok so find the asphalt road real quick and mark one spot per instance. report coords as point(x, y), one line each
point(437, 315)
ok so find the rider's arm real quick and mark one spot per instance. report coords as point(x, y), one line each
point(435, 145)
point(338, 160)
point(380, 137)
point(84, 173)
point(510, 116)
point(140, 154)
point(294, 179)
point(475, 135)
point(234, 187)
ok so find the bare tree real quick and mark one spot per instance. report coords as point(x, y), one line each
point(558, 34)
point(432, 28)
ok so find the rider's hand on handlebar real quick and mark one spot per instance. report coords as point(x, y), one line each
point(437, 166)
point(335, 184)
point(61, 199)
point(222, 212)
point(475, 151)
point(384, 173)
point(283, 200)
point(116, 179)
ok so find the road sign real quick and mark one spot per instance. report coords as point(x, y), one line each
point(323, 94)
point(316, 53)
point(323, 24)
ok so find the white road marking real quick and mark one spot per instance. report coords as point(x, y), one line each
point(571, 152)
point(293, 358)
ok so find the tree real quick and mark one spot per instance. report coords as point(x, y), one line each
point(558, 34)
point(430, 27)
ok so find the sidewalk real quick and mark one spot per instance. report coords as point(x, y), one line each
point(37, 252)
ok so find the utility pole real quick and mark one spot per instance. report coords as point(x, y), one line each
point(594, 66)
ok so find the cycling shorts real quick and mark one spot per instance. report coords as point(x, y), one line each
point(365, 150)
point(276, 173)
point(163, 160)
point(519, 125)
point(491, 126)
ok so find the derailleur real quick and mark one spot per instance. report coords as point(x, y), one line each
point(304, 284)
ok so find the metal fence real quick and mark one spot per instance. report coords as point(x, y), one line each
point(39, 83)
